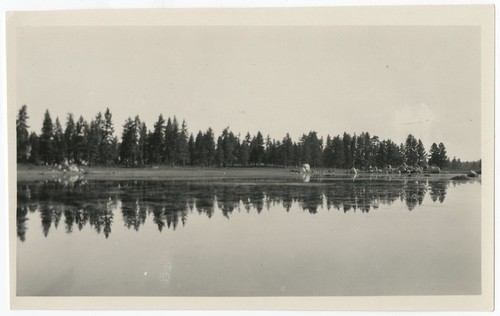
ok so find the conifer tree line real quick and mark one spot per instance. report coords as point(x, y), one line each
point(170, 143)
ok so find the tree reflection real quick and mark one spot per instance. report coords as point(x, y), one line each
point(168, 203)
point(438, 190)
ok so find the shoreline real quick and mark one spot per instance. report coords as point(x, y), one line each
point(33, 173)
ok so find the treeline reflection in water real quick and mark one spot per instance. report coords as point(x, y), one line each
point(75, 204)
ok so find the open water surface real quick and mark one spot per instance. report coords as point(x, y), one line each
point(248, 237)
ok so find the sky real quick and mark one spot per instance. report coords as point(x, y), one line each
point(390, 81)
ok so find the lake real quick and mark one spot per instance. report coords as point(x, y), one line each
point(249, 237)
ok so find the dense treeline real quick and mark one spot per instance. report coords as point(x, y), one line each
point(170, 143)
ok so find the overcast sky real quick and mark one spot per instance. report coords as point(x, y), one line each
point(387, 80)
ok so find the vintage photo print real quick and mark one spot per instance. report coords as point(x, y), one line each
point(336, 158)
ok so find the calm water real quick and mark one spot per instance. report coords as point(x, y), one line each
point(248, 238)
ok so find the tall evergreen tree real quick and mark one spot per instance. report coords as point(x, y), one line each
point(129, 147)
point(421, 154)
point(22, 135)
point(170, 135)
point(157, 142)
point(349, 160)
point(434, 159)
point(94, 137)
point(142, 141)
point(70, 138)
point(59, 147)
point(182, 150)
point(192, 150)
point(107, 148)
point(209, 148)
point(257, 149)
point(288, 152)
point(244, 150)
point(81, 141)
point(410, 150)
point(47, 140)
point(338, 152)
point(34, 144)
point(443, 157)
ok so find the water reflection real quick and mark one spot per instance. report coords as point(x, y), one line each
point(96, 203)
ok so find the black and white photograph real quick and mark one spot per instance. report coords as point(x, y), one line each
point(287, 153)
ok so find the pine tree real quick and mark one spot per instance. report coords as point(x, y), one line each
point(257, 149)
point(434, 159)
point(34, 144)
point(47, 140)
point(182, 150)
point(421, 154)
point(288, 152)
point(169, 142)
point(209, 147)
point(244, 150)
point(199, 157)
point(81, 141)
point(129, 147)
point(107, 149)
point(349, 159)
point(443, 158)
point(410, 151)
point(338, 152)
point(22, 135)
point(94, 139)
point(70, 138)
point(192, 150)
point(59, 147)
point(142, 141)
point(219, 152)
point(157, 142)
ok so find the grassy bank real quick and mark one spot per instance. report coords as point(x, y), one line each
point(26, 172)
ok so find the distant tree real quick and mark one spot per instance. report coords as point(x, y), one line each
point(208, 148)
point(437, 155)
point(157, 142)
point(244, 150)
point(170, 137)
point(181, 148)
point(59, 146)
point(142, 141)
point(288, 152)
point(34, 144)
point(22, 135)
point(395, 155)
point(382, 157)
point(199, 151)
point(271, 156)
point(421, 154)
point(348, 150)
point(192, 150)
point(94, 137)
point(454, 164)
point(107, 148)
point(443, 157)
point(257, 149)
point(328, 153)
point(129, 147)
point(315, 145)
point(410, 150)
point(81, 141)
point(338, 152)
point(219, 152)
point(70, 138)
point(47, 140)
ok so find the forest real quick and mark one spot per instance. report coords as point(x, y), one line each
point(170, 143)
